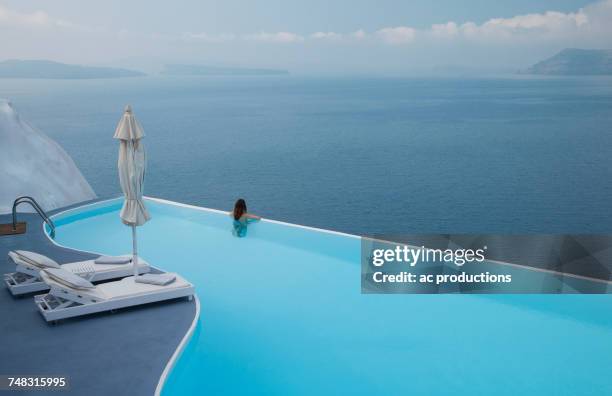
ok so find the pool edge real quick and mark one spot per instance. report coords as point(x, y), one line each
point(315, 229)
point(265, 220)
point(179, 349)
point(181, 346)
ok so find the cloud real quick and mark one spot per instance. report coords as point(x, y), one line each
point(37, 20)
point(279, 37)
point(550, 20)
point(533, 26)
point(359, 34)
point(549, 25)
point(449, 29)
point(587, 23)
point(327, 36)
point(396, 35)
point(33, 19)
point(208, 38)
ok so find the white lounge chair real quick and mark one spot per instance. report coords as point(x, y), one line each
point(26, 278)
point(67, 299)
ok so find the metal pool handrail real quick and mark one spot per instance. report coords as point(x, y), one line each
point(39, 210)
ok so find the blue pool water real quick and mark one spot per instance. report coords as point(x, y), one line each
point(360, 155)
point(282, 313)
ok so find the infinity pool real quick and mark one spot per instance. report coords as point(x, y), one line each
point(282, 313)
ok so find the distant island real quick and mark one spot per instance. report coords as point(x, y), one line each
point(55, 70)
point(200, 70)
point(575, 62)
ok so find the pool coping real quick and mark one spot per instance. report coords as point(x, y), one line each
point(343, 234)
point(498, 262)
point(205, 209)
point(179, 349)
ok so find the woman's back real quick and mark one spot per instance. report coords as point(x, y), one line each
point(241, 218)
point(240, 226)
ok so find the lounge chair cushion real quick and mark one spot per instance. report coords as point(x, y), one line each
point(37, 259)
point(68, 278)
point(113, 260)
point(156, 279)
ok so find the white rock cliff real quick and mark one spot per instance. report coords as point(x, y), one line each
point(33, 164)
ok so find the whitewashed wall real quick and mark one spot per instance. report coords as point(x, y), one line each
point(33, 164)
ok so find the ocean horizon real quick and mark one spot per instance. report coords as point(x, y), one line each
point(517, 154)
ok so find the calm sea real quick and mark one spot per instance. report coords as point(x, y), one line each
point(507, 155)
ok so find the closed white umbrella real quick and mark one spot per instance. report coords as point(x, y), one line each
point(132, 165)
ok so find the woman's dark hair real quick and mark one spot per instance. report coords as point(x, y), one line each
point(240, 208)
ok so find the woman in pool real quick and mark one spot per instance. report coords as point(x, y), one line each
point(242, 218)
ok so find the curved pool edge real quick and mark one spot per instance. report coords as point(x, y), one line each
point(71, 209)
point(179, 349)
point(190, 331)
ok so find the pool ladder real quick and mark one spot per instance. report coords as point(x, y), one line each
point(39, 210)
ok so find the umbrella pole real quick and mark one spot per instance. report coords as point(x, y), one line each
point(134, 251)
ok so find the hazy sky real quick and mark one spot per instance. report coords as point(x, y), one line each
point(314, 36)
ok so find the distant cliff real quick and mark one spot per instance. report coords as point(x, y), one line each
point(31, 163)
point(575, 62)
point(54, 70)
point(200, 70)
